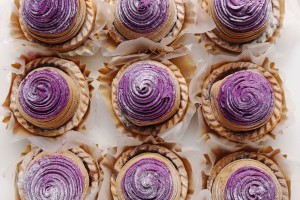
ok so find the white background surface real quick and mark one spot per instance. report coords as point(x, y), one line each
point(286, 55)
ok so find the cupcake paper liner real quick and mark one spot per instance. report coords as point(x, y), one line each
point(18, 132)
point(83, 42)
point(171, 130)
point(217, 150)
point(247, 56)
point(108, 131)
point(124, 143)
point(216, 45)
point(267, 164)
point(166, 123)
point(77, 40)
point(179, 4)
point(166, 153)
point(196, 21)
point(213, 121)
point(76, 143)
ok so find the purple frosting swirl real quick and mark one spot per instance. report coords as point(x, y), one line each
point(143, 16)
point(148, 179)
point(250, 183)
point(146, 92)
point(54, 177)
point(242, 15)
point(49, 16)
point(44, 94)
point(246, 98)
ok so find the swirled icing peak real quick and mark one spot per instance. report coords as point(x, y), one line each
point(246, 98)
point(143, 16)
point(49, 16)
point(44, 94)
point(242, 15)
point(148, 178)
point(146, 92)
point(54, 177)
point(250, 183)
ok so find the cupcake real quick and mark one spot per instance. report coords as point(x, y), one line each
point(58, 25)
point(152, 19)
point(50, 97)
point(242, 101)
point(149, 172)
point(67, 174)
point(244, 22)
point(247, 175)
point(147, 95)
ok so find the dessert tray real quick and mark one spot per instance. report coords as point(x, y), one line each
point(105, 138)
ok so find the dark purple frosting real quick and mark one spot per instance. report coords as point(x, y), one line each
point(147, 179)
point(44, 94)
point(54, 177)
point(246, 98)
point(250, 183)
point(146, 92)
point(143, 16)
point(242, 15)
point(49, 16)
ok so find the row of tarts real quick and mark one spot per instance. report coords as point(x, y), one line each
point(240, 101)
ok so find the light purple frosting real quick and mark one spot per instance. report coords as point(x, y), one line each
point(54, 177)
point(148, 179)
point(242, 15)
point(49, 16)
point(246, 98)
point(143, 16)
point(146, 92)
point(250, 183)
point(44, 94)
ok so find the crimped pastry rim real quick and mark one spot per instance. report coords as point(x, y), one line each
point(71, 69)
point(241, 137)
point(277, 7)
point(87, 160)
point(254, 156)
point(157, 128)
point(129, 154)
point(118, 38)
point(76, 41)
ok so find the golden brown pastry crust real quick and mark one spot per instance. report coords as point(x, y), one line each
point(173, 118)
point(174, 173)
point(274, 27)
point(254, 159)
point(208, 107)
point(219, 115)
point(81, 158)
point(72, 40)
point(120, 33)
point(65, 115)
point(232, 36)
point(71, 69)
point(143, 150)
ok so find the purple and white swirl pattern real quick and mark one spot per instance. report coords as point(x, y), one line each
point(44, 94)
point(146, 92)
point(250, 183)
point(49, 16)
point(54, 177)
point(143, 16)
point(147, 179)
point(240, 15)
point(246, 98)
